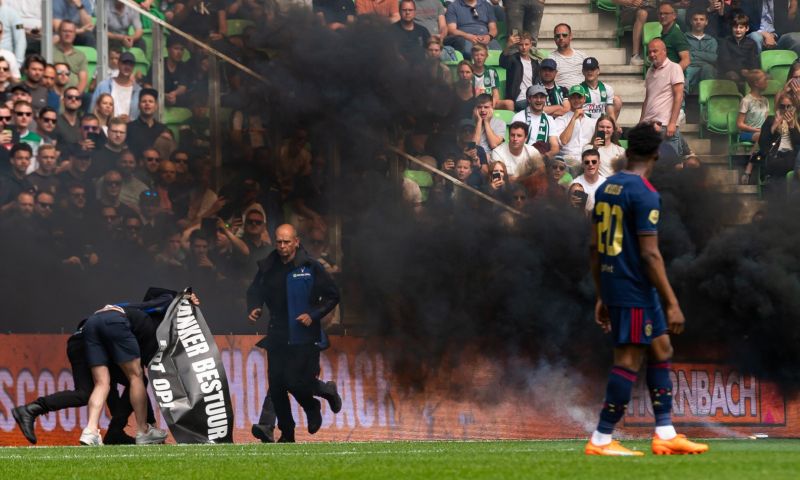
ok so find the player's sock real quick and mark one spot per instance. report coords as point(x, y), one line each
point(660, 386)
point(618, 394)
point(601, 439)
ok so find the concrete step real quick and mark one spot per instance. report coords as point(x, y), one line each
point(720, 175)
point(714, 160)
point(739, 189)
point(700, 146)
point(566, 9)
point(750, 204)
point(584, 43)
point(578, 22)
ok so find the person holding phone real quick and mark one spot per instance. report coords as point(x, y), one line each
point(606, 142)
point(591, 179)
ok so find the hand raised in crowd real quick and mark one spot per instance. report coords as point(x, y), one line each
point(578, 114)
point(513, 39)
point(599, 142)
point(305, 319)
point(6, 136)
point(254, 315)
point(497, 183)
point(449, 165)
point(86, 144)
point(127, 41)
point(193, 298)
point(472, 153)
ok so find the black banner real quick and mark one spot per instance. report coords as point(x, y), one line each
point(188, 377)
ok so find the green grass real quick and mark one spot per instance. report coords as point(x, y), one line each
point(728, 459)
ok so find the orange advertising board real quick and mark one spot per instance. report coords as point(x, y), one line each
point(710, 400)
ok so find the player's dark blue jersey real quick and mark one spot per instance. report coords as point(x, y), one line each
point(626, 205)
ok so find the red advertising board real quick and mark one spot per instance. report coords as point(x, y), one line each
point(710, 399)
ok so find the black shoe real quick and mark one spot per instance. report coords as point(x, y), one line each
point(314, 419)
point(118, 437)
point(287, 437)
point(333, 398)
point(25, 417)
point(263, 433)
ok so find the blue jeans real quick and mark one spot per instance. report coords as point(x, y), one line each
point(524, 16)
point(787, 41)
point(697, 72)
point(465, 46)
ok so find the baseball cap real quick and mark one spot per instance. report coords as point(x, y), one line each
point(549, 63)
point(20, 87)
point(466, 123)
point(590, 63)
point(577, 90)
point(534, 89)
point(127, 57)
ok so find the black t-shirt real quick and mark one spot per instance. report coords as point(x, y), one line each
point(335, 11)
point(203, 18)
point(172, 80)
point(141, 136)
point(275, 283)
point(411, 43)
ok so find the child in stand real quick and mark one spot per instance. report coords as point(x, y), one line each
point(486, 80)
point(702, 50)
point(753, 111)
point(737, 54)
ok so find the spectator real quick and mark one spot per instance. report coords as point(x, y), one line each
point(30, 15)
point(467, 147)
point(557, 95)
point(104, 110)
point(131, 187)
point(674, 39)
point(23, 116)
point(575, 129)
point(80, 13)
point(49, 77)
point(388, 9)
point(15, 181)
point(497, 183)
point(560, 172)
point(256, 236)
point(663, 94)
point(541, 131)
point(177, 73)
point(145, 129)
point(433, 52)
point(109, 191)
point(524, 16)
point(205, 19)
point(5, 81)
point(753, 112)
point(578, 198)
point(590, 179)
point(68, 130)
point(121, 20)
point(521, 160)
point(702, 51)
point(773, 24)
point(171, 259)
point(123, 88)
point(65, 52)
point(148, 167)
point(606, 142)
point(719, 15)
point(738, 54)
point(489, 131)
point(430, 14)
point(92, 136)
point(13, 38)
point(600, 98)
point(792, 85)
point(335, 14)
point(486, 80)
point(61, 83)
point(203, 201)
point(9, 57)
point(637, 13)
point(45, 204)
point(569, 60)
point(105, 157)
point(80, 162)
point(44, 178)
point(470, 22)
point(411, 36)
point(779, 141)
point(465, 91)
point(164, 182)
point(40, 96)
point(8, 136)
point(521, 69)
point(155, 221)
point(46, 125)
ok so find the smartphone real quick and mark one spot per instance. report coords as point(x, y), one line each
point(514, 32)
point(98, 138)
point(602, 138)
point(580, 195)
point(497, 176)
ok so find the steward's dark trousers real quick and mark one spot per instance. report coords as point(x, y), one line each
point(292, 369)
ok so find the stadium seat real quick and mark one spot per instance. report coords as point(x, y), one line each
point(142, 63)
point(91, 59)
point(504, 115)
point(501, 77)
point(707, 88)
point(493, 59)
point(174, 118)
point(777, 62)
point(717, 110)
point(651, 30)
point(735, 147)
point(502, 32)
point(453, 64)
point(623, 143)
point(237, 26)
point(610, 6)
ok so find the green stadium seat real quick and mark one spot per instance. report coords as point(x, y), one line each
point(174, 118)
point(493, 59)
point(735, 147)
point(237, 26)
point(777, 62)
point(91, 58)
point(504, 115)
point(708, 88)
point(501, 76)
point(651, 31)
point(623, 143)
point(142, 63)
point(718, 108)
point(610, 6)
point(502, 32)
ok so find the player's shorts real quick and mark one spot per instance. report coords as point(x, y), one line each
point(109, 339)
point(636, 325)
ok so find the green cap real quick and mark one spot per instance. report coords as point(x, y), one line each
point(577, 90)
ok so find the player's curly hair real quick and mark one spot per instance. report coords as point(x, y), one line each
point(643, 142)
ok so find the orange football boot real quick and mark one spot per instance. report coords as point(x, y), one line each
point(679, 445)
point(613, 449)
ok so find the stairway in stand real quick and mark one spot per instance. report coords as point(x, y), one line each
point(594, 33)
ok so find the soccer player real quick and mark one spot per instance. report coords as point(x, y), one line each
point(629, 277)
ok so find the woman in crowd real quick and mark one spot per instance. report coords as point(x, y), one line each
point(465, 94)
point(104, 110)
point(439, 71)
point(606, 141)
point(497, 183)
point(779, 142)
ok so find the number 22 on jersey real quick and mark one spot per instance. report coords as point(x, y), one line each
point(609, 229)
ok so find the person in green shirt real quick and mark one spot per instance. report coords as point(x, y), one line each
point(673, 37)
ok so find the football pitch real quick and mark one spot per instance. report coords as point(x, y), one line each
point(729, 459)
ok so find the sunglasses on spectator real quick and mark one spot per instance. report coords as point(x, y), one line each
point(561, 35)
point(5, 119)
point(23, 114)
point(45, 205)
point(90, 128)
point(50, 120)
point(133, 227)
point(254, 222)
point(72, 97)
point(474, 12)
point(786, 107)
point(559, 167)
point(62, 72)
point(151, 159)
point(590, 162)
point(182, 160)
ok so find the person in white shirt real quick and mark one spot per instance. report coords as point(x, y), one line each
point(569, 60)
point(521, 160)
point(591, 179)
point(574, 129)
point(600, 99)
point(540, 125)
point(490, 132)
point(606, 142)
